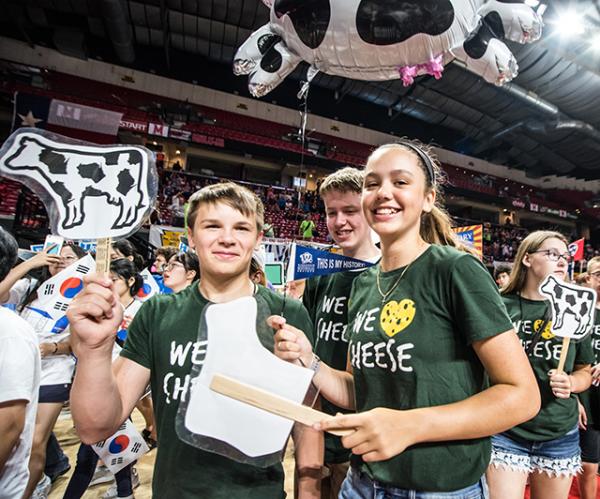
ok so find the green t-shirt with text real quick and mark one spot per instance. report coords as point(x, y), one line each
point(557, 416)
point(415, 350)
point(326, 299)
point(163, 337)
point(591, 397)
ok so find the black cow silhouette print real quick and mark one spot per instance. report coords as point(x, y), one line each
point(70, 174)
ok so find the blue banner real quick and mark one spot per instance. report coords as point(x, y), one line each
point(306, 262)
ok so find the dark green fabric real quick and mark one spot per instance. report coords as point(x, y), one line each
point(591, 397)
point(326, 299)
point(415, 351)
point(163, 338)
point(557, 416)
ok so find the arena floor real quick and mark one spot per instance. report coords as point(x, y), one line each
point(70, 443)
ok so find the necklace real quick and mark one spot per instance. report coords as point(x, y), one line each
point(394, 286)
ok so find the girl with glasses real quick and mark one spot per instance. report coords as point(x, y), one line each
point(182, 269)
point(544, 449)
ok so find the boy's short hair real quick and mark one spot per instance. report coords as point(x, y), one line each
point(347, 179)
point(237, 197)
point(502, 269)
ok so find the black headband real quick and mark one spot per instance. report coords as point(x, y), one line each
point(424, 158)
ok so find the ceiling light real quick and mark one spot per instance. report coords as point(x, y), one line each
point(569, 24)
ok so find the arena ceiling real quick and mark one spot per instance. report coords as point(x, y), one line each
point(546, 122)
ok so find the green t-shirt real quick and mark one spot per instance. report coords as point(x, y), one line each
point(591, 397)
point(415, 351)
point(306, 228)
point(557, 416)
point(163, 337)
point(326, 299)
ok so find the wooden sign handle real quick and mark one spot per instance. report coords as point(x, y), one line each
point(103, 255)
point(563, 354)
point(270, 402)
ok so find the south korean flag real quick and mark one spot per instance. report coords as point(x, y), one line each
point(55, 295)
point(149, 288)
point(123, 448)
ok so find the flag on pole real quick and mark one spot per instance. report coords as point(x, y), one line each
point(306, 262)
point(471, 236)
point(576, 249)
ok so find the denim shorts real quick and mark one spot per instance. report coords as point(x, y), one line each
point(358, 485)
point(558, 457)
point(50, 394)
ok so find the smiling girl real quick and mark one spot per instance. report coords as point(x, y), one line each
point(425, 324)
point(545, 448)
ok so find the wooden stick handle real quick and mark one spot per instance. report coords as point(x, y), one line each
point(103, 255)
point(563, 354)
point(270, 402)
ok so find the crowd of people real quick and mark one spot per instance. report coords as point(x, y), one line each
point(441, 382)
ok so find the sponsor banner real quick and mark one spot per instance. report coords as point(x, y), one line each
point(134, 125)
point(306, 262)
point(92, 119)
point(208, 140)
point(158, 129)
point(179, 134)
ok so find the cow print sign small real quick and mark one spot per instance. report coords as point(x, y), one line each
point(89, 191)
point(572, 307)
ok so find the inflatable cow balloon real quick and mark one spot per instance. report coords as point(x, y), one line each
point(376, 40)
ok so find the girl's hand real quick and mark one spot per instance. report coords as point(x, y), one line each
point(291, 344)
point(380, 433)
point(560, 383)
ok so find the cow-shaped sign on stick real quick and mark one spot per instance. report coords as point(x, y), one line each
point(572, 309)
point(243, 400)
point(374, 40)
point(89, 191)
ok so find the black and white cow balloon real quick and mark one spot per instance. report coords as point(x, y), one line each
point(376, 40)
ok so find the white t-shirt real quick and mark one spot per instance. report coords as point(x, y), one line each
point(19, 380)
point(56, 369)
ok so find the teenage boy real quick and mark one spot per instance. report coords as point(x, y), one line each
point(326, 298)
point(225, 223)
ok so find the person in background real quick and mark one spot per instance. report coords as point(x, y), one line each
point(589, 401)
point(307, 228)
point(326, 299)
point(183, 269)
point(125, 249)
point(502, 275)
point(161, 259)
point(20, 369)
point(545, 448)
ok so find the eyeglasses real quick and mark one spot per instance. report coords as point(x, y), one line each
point(171, 265)
point(554, 256)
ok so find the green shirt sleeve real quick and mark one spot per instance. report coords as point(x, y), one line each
point(476, 304)
point(138, 344)
point(298, 317)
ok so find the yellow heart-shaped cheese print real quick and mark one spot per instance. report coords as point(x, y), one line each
point(547, 333)
point(396, 316)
